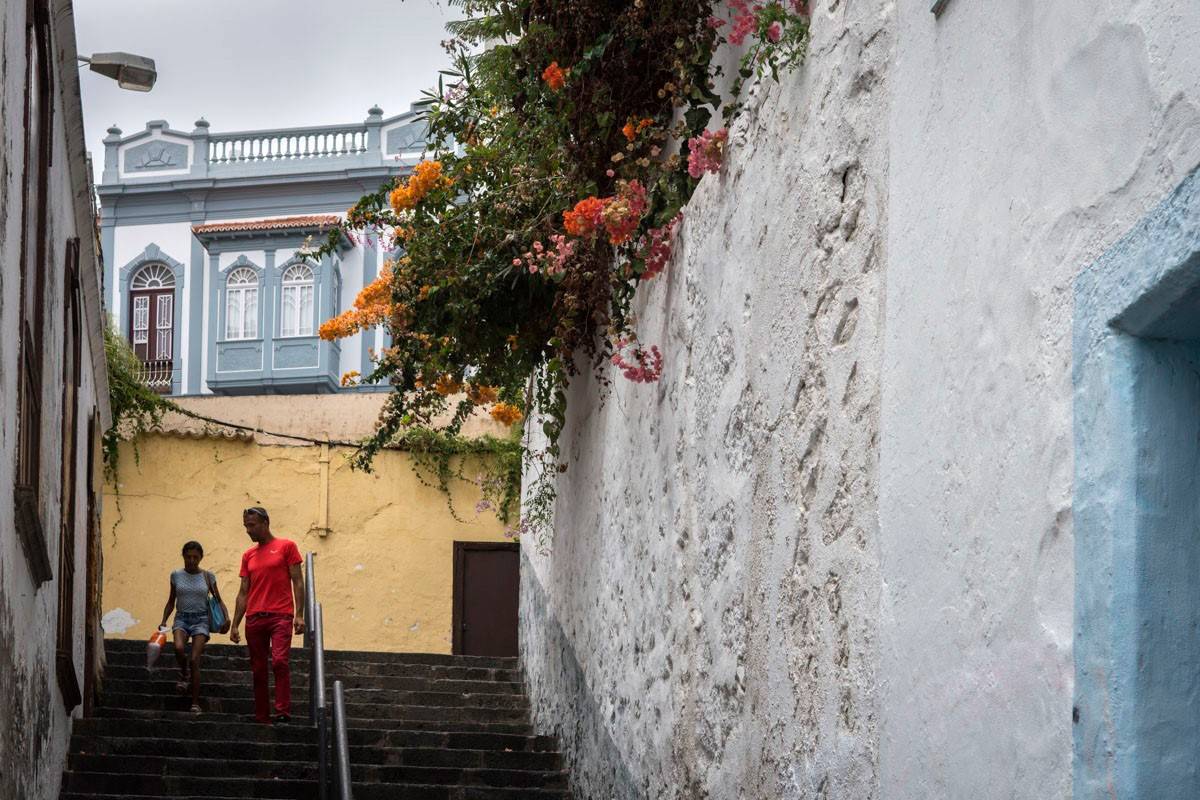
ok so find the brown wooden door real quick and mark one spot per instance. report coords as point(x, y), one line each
point(486, 592)
point(152, 324)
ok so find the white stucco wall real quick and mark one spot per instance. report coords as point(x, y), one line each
point(34, 726)
point(704, 623)
point(1026, 137)
point(831, 554)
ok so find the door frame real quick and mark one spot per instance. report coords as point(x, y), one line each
point(457, 607)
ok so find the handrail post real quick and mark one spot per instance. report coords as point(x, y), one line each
point(341, 743)
point(310, 597)
point(317, 674)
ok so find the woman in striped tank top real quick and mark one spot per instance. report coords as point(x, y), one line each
point(190, 588)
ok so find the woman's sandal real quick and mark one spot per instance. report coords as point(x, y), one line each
point(196, 708)
point(182, 685)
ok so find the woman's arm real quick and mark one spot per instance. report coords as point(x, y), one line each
point(169, 607)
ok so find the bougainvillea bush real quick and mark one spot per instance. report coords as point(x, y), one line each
point(565, 142)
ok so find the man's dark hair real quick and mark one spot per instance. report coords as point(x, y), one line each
point(193, 546)
point(259, 512)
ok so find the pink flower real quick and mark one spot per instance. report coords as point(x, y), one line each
point(642, 366)
point(775, 31)
point(715, 22)
point(655, 247)
point(707, 151)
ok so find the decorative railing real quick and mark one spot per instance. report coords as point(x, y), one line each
point(285, 145)
point(160, 152)
point(157, 375)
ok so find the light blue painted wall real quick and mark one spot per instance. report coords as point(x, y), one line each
point(1137, 512)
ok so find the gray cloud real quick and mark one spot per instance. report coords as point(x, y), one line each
point(249, 64)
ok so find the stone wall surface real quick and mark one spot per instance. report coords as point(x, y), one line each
point(704, 621)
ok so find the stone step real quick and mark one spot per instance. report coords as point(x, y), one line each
point(435, 753)
point(88, 784)
point(116, 676)
point(430, 720)
point(166, 668)
point(511, 711)
point(124, 647)
point(412, 791)
point(265, 770)
point(371, 792)
point(213, 728)
point(243, 690)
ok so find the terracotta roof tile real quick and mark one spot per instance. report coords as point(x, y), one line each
point(312, 221)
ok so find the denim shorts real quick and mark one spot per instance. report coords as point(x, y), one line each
point(193, 624)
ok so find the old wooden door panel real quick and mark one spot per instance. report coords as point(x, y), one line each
point(486, 586)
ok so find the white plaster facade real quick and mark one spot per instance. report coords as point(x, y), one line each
point(35, 725)
point(831, 554)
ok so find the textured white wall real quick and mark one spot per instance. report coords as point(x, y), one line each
point(34, 728)
point(831, 554)
point(704, 623)
point(1025, 137)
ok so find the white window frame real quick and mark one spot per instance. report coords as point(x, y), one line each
point(241, 305)
point(141, 319)
point(298, 297)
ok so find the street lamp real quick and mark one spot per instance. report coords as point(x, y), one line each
point(129, 71)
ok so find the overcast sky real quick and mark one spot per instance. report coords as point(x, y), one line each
point(249, 64)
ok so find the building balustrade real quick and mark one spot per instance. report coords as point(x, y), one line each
point(160, 153)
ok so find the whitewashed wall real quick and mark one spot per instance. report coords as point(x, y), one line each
point(705, 623)
point(34, 727)
point(831, 554)
point(1025, 138)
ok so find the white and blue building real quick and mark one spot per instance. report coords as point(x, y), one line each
point(203, 236)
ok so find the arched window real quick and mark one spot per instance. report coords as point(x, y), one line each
point(297, 305)
point(152, 313)
point(241, 304)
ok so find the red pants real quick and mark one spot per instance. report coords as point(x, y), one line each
point(270, 636)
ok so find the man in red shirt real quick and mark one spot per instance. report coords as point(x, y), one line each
point(271, 577)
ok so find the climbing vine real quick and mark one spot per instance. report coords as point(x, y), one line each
point(565, 142)
point(136, 408)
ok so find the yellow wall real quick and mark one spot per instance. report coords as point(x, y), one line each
point(384, 569)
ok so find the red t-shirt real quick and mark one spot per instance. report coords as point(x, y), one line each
point(268, 568)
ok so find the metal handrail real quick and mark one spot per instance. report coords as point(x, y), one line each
point(314, 640)
point(341, 743)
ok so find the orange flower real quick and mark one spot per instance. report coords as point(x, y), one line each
point(480, 394)
point(350, 378)
point(506, 414)
point(555, 76)
point(372, 307)
point(632, 129)
point(586, 218)
point(426, 177)
point(446, 385)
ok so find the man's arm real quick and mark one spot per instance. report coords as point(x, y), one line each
point(298, 591)
point(239, 611)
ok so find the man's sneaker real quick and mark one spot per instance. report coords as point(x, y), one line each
point(282, 719)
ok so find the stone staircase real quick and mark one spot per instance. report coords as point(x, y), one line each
point(421, 727)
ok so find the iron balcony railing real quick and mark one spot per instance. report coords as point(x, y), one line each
point(314, 640)
point(157, 374)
